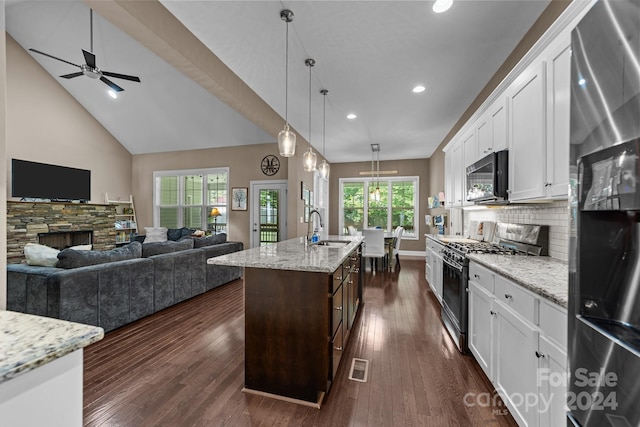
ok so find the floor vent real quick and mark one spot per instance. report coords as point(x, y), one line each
point(359, 370)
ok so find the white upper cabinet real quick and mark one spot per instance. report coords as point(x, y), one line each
point(454, 174)
point(527, 139)
point(491, 129)
point(558, 60)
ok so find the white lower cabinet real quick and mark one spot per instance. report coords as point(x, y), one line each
point(519, 341)
point(433, 267)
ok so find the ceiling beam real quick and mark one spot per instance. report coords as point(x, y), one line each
point(153, 26)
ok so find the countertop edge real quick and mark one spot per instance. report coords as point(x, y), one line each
point(33, 358)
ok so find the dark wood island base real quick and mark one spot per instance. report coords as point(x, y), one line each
point(297, 324)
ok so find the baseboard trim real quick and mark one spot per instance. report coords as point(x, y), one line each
point(420, 254)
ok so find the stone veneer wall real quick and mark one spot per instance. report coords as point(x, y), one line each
point(26, 219)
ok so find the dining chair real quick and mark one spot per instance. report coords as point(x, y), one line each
point(352, 231)
point(374, 246)
point(399, 231)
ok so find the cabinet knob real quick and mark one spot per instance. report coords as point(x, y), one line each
point(539, 355)
point(508, 191)
point(493, 313)
point(338, 278)
point(355, 270)
point(338, 308)
point(476, 276)
point(508, 296)
point(337, 348)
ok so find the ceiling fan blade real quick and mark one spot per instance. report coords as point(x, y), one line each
point(121, 76)
point(89, 58)
point(72, 75)
point(111, 84)
point(51, 56)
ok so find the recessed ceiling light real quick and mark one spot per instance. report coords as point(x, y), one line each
point(582, 82)
point(351, 116)
point(112, 93)
point(442, 5)
point(419, 89)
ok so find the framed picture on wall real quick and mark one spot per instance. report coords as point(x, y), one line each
point(239, 197)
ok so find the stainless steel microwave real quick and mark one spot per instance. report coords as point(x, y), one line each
point(488, 178)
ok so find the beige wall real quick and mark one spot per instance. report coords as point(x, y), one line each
point(419, 167)
point(3, 171)
point(297, 175)
point(244, 166)
point(44, 123)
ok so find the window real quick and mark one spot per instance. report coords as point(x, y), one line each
point(397, 204)
point(185, 198)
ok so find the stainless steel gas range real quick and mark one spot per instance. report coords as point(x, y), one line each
point(509, 240)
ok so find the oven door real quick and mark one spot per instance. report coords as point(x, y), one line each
point(454, 302)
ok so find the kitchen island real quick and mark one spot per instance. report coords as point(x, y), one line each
point(301, 302)
point(41, 369)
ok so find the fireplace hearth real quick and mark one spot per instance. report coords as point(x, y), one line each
point(65, 239)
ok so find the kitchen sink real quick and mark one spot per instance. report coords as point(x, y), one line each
point(333, 243)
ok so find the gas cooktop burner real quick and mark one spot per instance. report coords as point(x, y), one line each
point(482, 248)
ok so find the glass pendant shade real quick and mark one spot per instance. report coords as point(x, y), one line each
point(309, 159)
point(287, 142)
point(324, 169)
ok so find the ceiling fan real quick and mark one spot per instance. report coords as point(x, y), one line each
point(89, 68)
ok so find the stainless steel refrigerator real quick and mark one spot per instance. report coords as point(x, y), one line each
point(604, 250)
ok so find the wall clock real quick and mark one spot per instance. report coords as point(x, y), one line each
point(270, 165)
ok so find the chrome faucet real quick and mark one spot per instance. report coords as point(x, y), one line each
point(311, 222)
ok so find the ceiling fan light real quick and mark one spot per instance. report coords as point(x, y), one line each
point(324, 169)
point(287, 142)
point(309, 159)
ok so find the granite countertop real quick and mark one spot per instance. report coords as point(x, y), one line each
point(293, 254)
point(545, 276)
point(28, 342)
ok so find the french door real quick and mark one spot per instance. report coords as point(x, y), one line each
point(269, 212)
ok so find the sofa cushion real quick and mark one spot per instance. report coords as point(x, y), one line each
point(155, 234)
point(71, 258)
point(157, 248)
point(214, 239)
point(176, 234)
point(40, 255)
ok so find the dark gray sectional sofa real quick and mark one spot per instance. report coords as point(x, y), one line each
point(112, 294)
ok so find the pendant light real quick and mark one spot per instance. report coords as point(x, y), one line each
point(286, 137)
point(309, 158)
point(377, 190)
point(324, 167)
point(375, 194)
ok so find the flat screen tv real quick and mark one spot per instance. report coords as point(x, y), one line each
point(44, 181)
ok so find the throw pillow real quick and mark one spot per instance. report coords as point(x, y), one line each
point(176, 234)
point(157, 248)
point(155, 234)
point(81, 247)
point(40, 255)
point(71, 258)
point(214, 239)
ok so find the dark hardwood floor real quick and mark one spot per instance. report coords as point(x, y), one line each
point(184, 366)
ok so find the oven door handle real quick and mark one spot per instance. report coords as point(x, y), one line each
point(456, 267)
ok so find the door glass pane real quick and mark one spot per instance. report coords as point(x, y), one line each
point(269, 223)
point(353, 205)
point(378, 208)
point(168, 190)
point(192, 190)
point(169, 217)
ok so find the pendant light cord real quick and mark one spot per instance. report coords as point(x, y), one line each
point(286, 78)
point(324, 120)
point(310, 66)
point(91, 28)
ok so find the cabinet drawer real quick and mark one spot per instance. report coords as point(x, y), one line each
point(512, 295)
point(553, 322)
point(481, 276)
point(336, 280)
point(337, 309)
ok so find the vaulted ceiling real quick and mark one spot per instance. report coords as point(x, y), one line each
point(213, 72)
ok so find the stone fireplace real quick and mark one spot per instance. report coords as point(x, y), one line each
point(59, 225)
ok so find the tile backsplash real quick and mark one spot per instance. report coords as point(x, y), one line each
point(555, 215)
